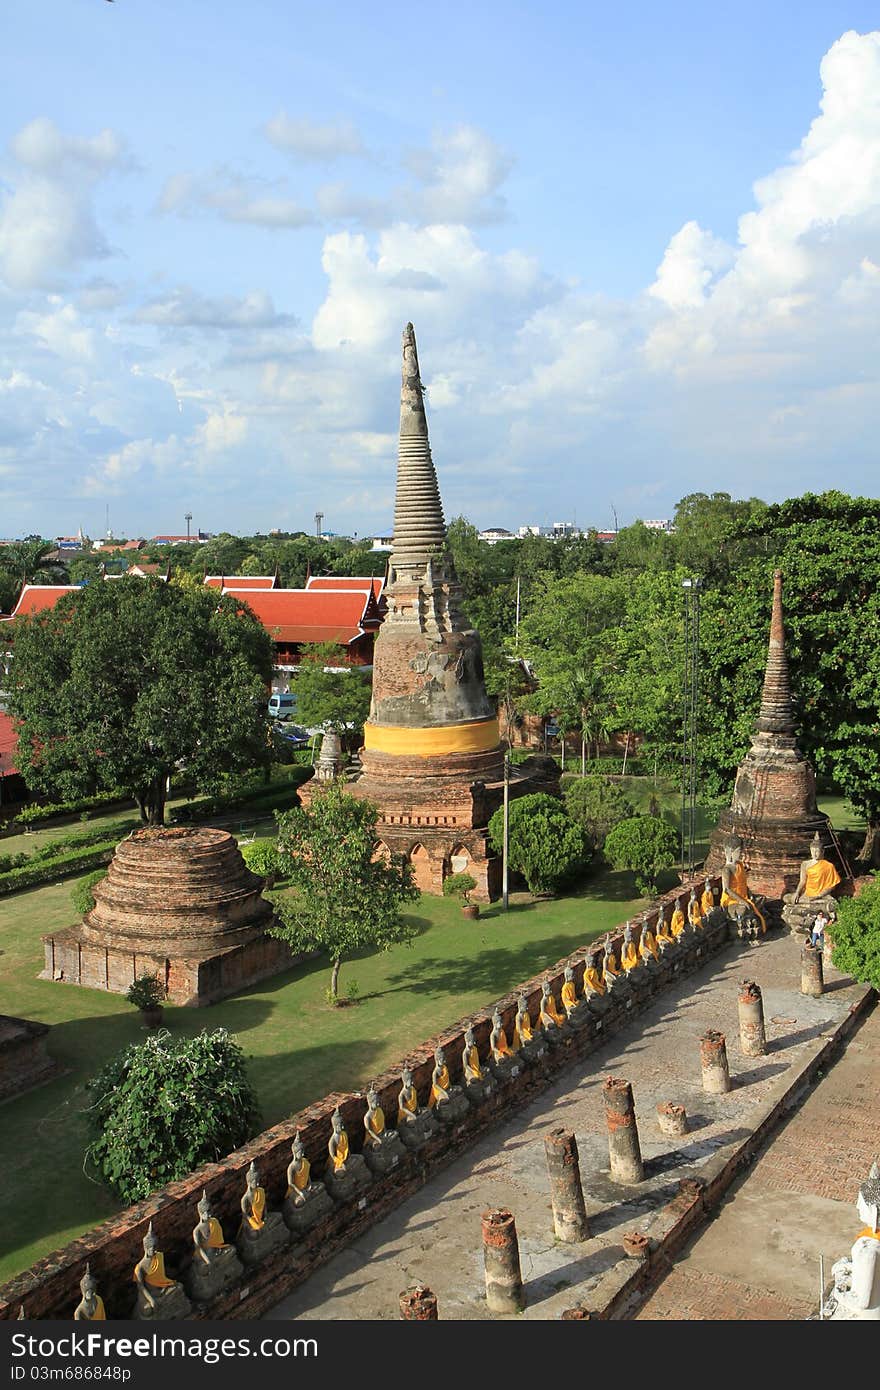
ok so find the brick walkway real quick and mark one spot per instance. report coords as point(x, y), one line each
point(797, 1201)
point(434, 1236)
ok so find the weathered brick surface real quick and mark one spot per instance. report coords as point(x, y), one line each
point(24, 1061)
point(701, 1296)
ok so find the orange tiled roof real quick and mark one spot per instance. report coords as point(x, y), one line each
point(240, 581)
point(309, 615)
point(36, 598)
point(334, 581)
point(8, 746)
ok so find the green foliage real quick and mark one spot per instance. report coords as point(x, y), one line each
point(45, 871)
point(144, 675)
point(856, 935)
point(146, 992)
point(459, 886)
point(164, 1106)
point(261, 857)
point(644, 844)
point(597, 805)
point(82, 895)
point(337, 699)
point(342, 899)
point(545, 845)
point(35, 814)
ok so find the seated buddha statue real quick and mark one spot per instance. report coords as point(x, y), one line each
point(676, 926)
point(814, 892)
point(611, 971)
point(735, 898)
point(382, 1147)
point(157, 1296)
point(594, 986)
point(306, 1201)
point(346, 1175)
point(552, 1019)
point(707, 901)
point(448, 1102)
point(576, 1010)
point(855, 1295)
point(91, 1306)
point(503, 1057)
point(531, 1048)
point(261, 1231)
point(695, 911)
point(649, 951)
point(478, 1084)
point(215, 1264)
point(629, 956)
point(665, 939)
point(415, 1123)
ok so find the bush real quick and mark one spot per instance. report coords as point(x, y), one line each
point(459, 886)
point(81, 894)
point(545, 846)
point(261, 857)
point(34, 814)
point(644, 844)
point(75, 861)
point(596, 805)
point(146, 992)
point(856, 935)
point(164, 1106)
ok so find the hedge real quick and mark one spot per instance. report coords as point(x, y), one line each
point(46, 870)
point(33, 814)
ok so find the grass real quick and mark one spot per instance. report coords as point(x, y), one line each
point(297, 1047)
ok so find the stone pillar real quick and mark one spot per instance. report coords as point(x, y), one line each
point(751, 1019)
point(623, 1136)
point(504, 1288)
point(671, 1118)
point(418, 1305)
point(827, 952)
point(569, 1213)
point(713, 1060)
point(812, 979)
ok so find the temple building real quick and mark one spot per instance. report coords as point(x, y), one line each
point(432, 759)
point(774, 811)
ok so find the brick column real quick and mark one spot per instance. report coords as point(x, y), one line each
point(672, 1118)
point(812, 979)
point(623, 1136)
point(751, 1019)
point(418, 1305)
point(504, 1289)
point(713, 1060)
point(569, 1213)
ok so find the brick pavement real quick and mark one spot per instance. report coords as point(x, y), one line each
point(434, 1236)
point(796, 1202)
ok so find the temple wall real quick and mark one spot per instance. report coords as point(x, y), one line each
point(50, 1289)
point(24, 1061)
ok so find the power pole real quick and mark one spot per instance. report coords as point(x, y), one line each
point(505, 842)
point(689, 734)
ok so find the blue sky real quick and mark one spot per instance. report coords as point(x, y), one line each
point(640, 246)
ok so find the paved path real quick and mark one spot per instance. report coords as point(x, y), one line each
point(759, 1257)
point(434, 1237)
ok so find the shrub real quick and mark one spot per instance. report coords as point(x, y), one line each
point(146, 992)
point(856, 935)
point(459, 886)
point(82, 895)
point(644, 844)
point(261, 857)
point(75, 861)
point(596, 805)
point(162, 1107)
point(545, 846)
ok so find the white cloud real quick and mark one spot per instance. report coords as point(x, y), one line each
point(234, 198)
point(692, 258)
point(460, 176)
point(310, 140)
point(184, 307)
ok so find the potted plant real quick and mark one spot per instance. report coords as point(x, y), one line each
point(461, 886)
point(147, 993)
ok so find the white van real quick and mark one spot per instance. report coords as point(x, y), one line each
point(282, 706)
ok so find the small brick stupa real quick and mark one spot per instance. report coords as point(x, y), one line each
point(432, 759)
point(774, 811)
point(180, 904)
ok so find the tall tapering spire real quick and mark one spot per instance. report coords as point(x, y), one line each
point(419, 528)
point(777, 711)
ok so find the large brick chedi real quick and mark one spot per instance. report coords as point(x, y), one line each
point(432, 758)
point(178, 903)
point(774, 811)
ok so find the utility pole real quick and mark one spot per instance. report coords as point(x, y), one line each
point(505, 843)
point(319, 523)
point(516, 638)
point(689, 740)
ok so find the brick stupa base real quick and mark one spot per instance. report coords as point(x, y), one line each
point(24, 1061)
point(180, 904)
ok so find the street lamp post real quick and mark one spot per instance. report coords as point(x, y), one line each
point(505, 841)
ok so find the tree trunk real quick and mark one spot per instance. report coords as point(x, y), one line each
point(869, 854)
point(334, 981)
point(583, 756)
point(151, 802)
point(625, 751)
point(562, 741)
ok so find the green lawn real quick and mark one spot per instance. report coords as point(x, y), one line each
point(298, 1048)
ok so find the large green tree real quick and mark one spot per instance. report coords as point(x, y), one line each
point(341, 897)
point(123, 681)
point(331, 692)
point(544, 844)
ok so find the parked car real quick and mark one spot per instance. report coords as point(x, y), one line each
point(293, 734)
point(282, 706)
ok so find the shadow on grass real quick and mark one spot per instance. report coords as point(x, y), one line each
point(495, 970)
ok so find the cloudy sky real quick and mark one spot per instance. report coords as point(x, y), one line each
point(640, 245)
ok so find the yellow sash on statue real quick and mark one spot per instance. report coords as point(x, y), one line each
point(821, 878)
point(501, 1046)
point(648, 945)
point(522, 1031)
point(215, 1239)
point(695, 913)
point(155, 1275)
point(341, 1153)
point(300, 1177)
point(258, 1206)
point(569, 995)
point(409, 1106)
point(473, 1061)
point(677, 924)
point(630, 957)
point(593, 981)
point(707, 901)
point(375, 1123)
point(739, 882)
point(443, 1083)
point(99, 1314)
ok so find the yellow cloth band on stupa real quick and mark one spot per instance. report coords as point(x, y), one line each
point(479, 736)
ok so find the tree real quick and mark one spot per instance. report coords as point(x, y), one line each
point(122, 682)
point(331, 692)
point(596, 805)
point(33, 561)
point(162, 1107)
point(342, 898)
point(856, 935)
point(545, 846)
point(644, 844)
